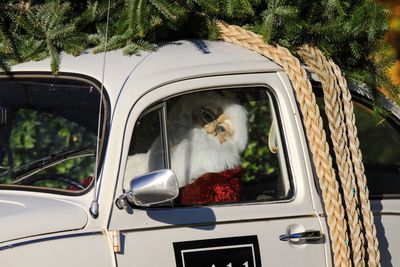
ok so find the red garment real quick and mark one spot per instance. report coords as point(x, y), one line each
point(211, 188)
point(85, 182)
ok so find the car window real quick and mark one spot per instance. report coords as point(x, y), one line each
point(379, 143)
point(48, 133)
point(224, 146)
point(146, 152)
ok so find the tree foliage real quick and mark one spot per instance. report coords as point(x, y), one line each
point(350, 32)
point(31, 141)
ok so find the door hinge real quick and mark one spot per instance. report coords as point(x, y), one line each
point(114, 237)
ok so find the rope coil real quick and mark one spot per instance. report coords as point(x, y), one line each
point(334, 111)
point(356, 156)
point(346, 252)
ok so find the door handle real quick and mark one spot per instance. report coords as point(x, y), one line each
point(309, 235)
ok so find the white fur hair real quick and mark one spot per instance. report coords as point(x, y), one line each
point(193, 151)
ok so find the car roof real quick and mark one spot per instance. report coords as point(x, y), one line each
point(168, 62)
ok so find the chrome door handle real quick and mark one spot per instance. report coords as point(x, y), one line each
point(307, 236)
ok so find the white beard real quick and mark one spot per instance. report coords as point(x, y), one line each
point(202, 153)
point(193, 151)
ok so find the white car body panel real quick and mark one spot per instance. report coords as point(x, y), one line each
point(73, 249)
point(35, 211)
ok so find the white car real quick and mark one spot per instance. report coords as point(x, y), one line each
point(199, 156)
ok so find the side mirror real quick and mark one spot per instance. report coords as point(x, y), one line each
point(153, 188)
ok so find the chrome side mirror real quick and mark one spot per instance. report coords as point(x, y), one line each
point(151, 188)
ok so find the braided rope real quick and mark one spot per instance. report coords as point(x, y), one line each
point(315, 133)
point(367, 215)
point(314, 58)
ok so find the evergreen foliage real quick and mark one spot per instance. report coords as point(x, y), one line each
point(348, 31)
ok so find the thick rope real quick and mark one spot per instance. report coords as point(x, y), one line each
point(367, 215)
point(314, 129)
point(314, 58)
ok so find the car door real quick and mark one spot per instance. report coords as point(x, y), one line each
point(380, 144)
point(379, 136)
point(235, 145)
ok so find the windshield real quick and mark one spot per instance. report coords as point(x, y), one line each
point(48, 133)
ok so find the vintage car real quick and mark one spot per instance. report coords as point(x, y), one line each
point(190, 155)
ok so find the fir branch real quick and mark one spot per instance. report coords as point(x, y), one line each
point(333, 8)
point(267, 26)
point(246, 5)
point(230, 7)
point(169, 11)
point(54, 57)
point(143, 16)
point(347, 31)
point(356, 50)
point(275, 17)
point(4, 65)
point(5, 43)
point(135, 47)
point(76, 44)
point(210, 7)
point(113, 42)
point(137, 10)
point(29, 48)
point(383, 59)
point(137, 18)
point(213, 32)
point(238, 8)
point(52, 31)
point(368, 19)
point(93, 13)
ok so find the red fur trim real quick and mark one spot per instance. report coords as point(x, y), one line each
point(211, 188)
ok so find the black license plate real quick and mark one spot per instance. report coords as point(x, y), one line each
point(240, 251)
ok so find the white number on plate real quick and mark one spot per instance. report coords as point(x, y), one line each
point(246, 264)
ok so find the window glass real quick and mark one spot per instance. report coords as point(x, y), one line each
point(224, 147)
point(380, 145)
point(48, 132)
point(146, 152)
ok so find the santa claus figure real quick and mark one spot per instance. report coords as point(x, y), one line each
point(207, 132)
